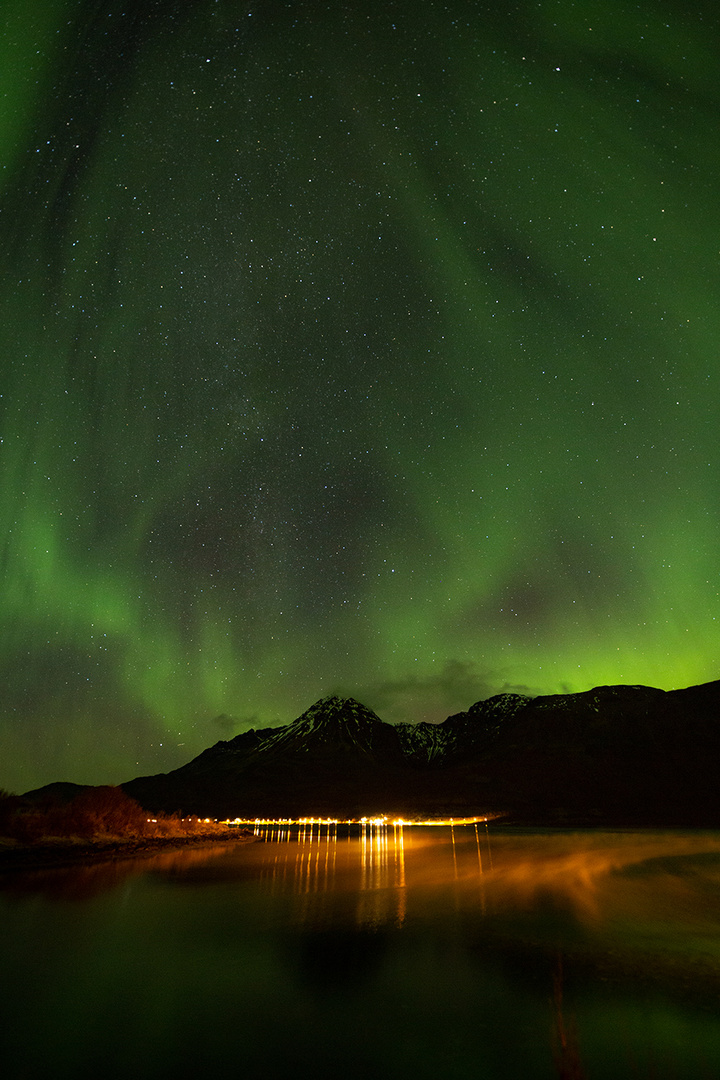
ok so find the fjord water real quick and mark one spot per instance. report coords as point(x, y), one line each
point(394, 952)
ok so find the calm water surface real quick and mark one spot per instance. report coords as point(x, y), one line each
point(418, 953)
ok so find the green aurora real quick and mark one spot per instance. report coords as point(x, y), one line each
point(354, 349)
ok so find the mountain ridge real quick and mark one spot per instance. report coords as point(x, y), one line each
point(612, 754)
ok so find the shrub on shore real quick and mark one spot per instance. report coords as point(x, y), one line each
point(96, 812)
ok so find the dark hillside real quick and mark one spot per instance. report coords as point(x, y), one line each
point(622, 755)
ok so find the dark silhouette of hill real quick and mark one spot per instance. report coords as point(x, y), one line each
point(621, 755)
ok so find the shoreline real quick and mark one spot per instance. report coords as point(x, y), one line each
point(58, 853)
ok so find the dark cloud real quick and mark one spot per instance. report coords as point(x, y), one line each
point(457, 686)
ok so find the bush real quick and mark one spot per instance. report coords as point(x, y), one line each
point(102, 811)
point(96, 812)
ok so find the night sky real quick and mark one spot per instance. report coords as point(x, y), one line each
point(349, 347)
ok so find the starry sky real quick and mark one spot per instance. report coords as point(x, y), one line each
point(349, 347)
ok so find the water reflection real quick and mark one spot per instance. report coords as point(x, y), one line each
point(466, 951)
point(83, 881)
point(389, 869)
point(559, 883)
point(329, 858)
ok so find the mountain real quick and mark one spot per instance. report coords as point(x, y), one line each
point(611, 755)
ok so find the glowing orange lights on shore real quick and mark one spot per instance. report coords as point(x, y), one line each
point(376, 822)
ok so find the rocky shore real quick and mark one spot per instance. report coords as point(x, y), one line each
point(51, 852)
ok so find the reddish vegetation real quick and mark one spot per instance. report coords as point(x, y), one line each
point(95, 813)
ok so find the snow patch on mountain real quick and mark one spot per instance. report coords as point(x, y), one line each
point(424, 741)
point(330, 720)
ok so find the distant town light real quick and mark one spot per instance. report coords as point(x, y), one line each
point(378, 821)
